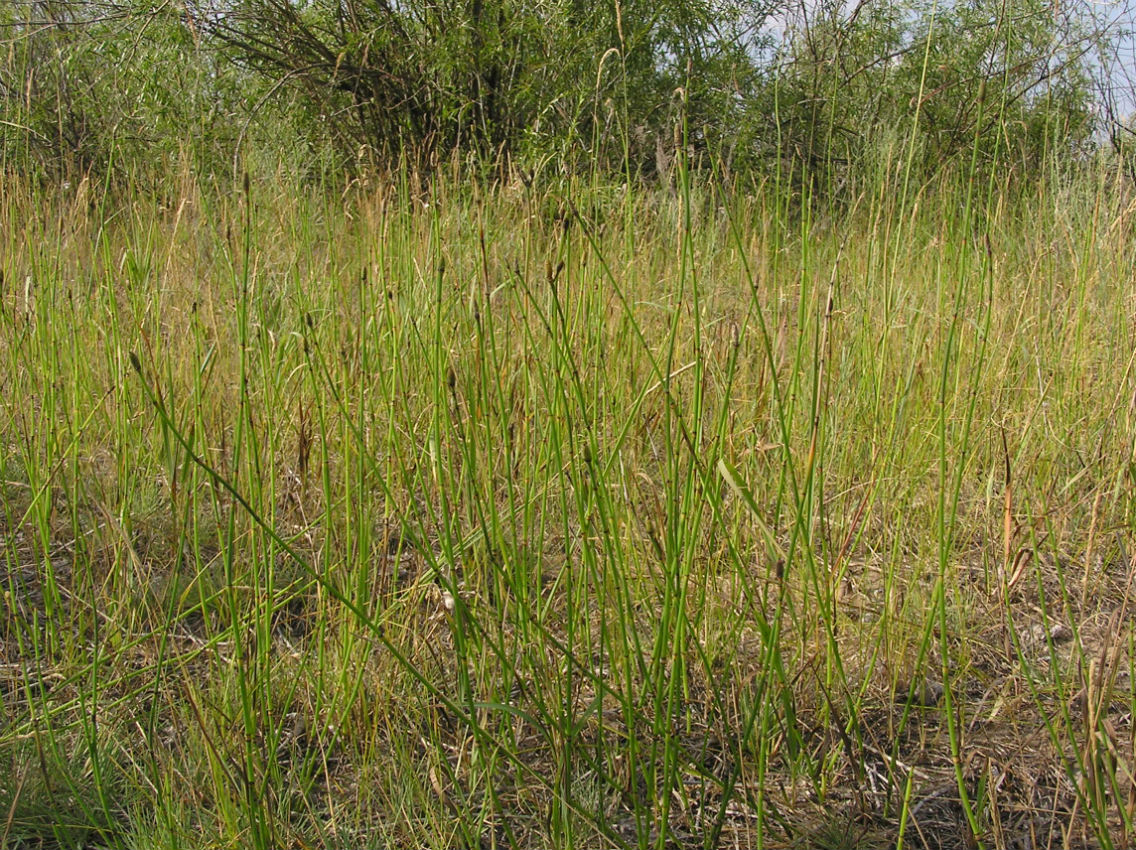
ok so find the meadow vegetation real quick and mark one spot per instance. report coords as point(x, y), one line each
point(513, 503)
point(472, 516)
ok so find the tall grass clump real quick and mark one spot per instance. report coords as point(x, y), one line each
point(424, 513)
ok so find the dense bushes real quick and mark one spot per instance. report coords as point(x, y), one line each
point(749, 87)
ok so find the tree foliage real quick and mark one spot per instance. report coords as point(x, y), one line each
point(750, 86)
point(425, 79)
point(982, 78)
